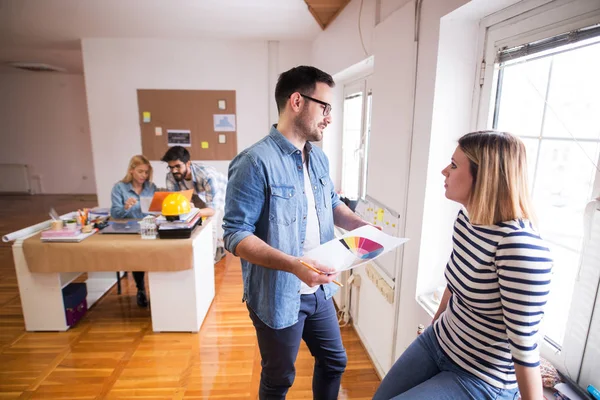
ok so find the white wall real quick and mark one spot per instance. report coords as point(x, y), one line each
point(44, 124)
point(456, 70)
point(283, 56)
point(116, 68)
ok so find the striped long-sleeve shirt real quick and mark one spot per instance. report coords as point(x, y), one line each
point(499, 277)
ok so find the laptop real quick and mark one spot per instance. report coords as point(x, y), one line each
point(120, 228)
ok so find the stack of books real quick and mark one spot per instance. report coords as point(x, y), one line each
point(181, 228)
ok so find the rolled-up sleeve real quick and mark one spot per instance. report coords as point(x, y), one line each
point(524, 267)
point(244, 201)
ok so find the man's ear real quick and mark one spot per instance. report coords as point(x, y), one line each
point(296, 101)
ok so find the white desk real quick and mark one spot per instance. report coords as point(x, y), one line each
point(181, 292)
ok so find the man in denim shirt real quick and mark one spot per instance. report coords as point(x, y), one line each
point(281, 203)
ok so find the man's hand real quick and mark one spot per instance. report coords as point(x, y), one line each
point(375, 226)
point(310, 277)
point(130, 202)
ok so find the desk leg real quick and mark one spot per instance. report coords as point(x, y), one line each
point(118, 283)
point(179, 300)
point(41, 296)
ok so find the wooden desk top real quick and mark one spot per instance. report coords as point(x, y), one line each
point(104, 253)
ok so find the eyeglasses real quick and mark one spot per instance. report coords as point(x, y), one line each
point(326, 106)
point(177, 167)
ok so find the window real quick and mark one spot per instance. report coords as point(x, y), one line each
point(551, 102)
point(355, 142)
point(542, 84)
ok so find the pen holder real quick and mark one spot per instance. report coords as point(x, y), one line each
point(57, 225)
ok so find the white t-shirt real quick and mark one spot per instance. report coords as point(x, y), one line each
point(313, 233)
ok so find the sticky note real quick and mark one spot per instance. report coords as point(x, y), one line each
point(205, 145)
point(146, 116)
point(380, 212)
point(158, 131)
point(222, 138)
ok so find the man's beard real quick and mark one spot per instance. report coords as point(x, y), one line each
point(302, 124)
point(179, 176)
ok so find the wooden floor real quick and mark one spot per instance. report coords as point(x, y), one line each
point(113, 353)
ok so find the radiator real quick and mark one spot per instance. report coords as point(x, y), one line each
point(14, 178)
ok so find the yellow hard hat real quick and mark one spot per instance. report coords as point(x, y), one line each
point(175, 204)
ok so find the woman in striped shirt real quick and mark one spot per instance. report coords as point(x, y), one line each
point(483, 341)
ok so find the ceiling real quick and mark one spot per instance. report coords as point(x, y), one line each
point(49, 31)
point(325, 11)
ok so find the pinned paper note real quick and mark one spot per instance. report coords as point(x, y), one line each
point(222, 105)
point(158, 131)
point(224, 122)
point(146, 116)
point(222, 138)
point(205, 145)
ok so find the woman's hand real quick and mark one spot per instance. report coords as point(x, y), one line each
point(130, 202)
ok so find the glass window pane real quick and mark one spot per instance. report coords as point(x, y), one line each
point(561, 170)
point(353, 108)
point(365, 152)
point(531, 146)
point(522, 93)
point(573, 94)
point(564, 179)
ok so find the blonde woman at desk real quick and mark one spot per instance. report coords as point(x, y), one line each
point(483, 340)
point(125, 198)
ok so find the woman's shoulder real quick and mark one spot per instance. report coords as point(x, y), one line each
point(120, 186)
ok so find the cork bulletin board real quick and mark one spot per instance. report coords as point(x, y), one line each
point(203, 121)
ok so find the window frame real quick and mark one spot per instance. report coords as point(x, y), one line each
point(527, 22)
point(362, 85)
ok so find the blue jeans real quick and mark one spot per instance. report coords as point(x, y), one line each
point(424, 372)
point(318, 326)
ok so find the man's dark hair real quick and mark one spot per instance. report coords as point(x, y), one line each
point(176, 153)
point(302, 79)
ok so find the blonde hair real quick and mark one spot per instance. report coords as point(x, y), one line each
point(500, 189)
point(135, 162)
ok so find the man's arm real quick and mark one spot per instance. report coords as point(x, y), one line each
point(346, 219)
point(258, 252)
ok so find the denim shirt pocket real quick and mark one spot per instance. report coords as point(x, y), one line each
point(325, 190)
point(282, 209)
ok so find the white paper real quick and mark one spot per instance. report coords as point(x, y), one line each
point(563, 388)
point(361, 246)
point(222, 104)
point(224, 122)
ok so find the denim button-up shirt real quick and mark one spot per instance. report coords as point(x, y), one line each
point(123, 191)
point(265, 197)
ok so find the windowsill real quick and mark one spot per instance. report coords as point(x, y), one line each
point(428, 303)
